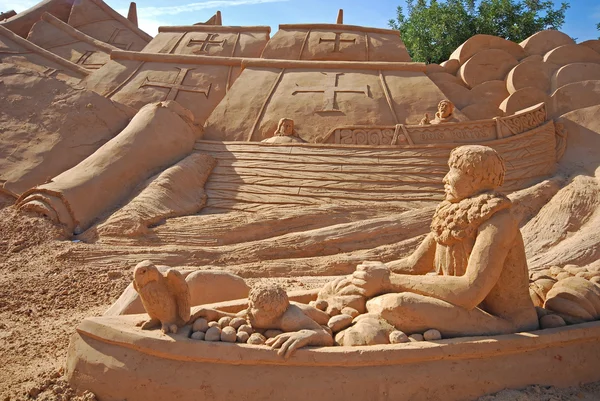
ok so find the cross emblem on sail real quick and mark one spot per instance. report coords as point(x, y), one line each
point(177, 86)
point(336, 41)
point(206, 42)
point(329, 91)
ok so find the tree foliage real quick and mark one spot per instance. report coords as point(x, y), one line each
point(432, 29)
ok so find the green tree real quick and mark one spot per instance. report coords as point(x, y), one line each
point(432, 29)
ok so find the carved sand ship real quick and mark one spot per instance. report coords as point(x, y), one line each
point(303, 155)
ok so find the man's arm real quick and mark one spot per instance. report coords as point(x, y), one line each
point(420, 262)
point(213, 314)
point(299, 331)
point(486, 262)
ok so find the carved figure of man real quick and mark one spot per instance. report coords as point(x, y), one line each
point(480, 285)
point(270, 308)
point(285, 133)
point(443, 115)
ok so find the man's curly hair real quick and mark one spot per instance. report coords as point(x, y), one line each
point(269, 298)
point(480, 162)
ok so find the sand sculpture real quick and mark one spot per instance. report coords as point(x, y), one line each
point(287, 327)
point(475, 240)
point(285, 133)
point(443, 115)
point(212, 157)
point(165, 298)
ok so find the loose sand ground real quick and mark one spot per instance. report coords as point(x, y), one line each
point(45, 293)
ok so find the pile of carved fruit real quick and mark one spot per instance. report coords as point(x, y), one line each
point(566, 295)
point(230, 330)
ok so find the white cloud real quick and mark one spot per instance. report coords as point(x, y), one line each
point(150, 25)
point(149, 12)
point(18, 6)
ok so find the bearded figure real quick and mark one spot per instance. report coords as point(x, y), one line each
point(469, 276)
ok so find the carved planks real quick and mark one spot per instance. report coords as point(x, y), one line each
point(452, 133)
point(251, 176)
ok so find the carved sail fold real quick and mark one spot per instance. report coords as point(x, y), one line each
point(322, 96)
point(67, 42)
point(96, 19)
point(336, 42)
point(23, 21)
point(210, 40)
point(16, 50)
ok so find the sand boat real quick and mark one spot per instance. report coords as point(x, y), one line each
point(117, 360)
point(378, 164)
point(355, 99)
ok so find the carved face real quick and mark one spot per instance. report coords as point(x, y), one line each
point(286, 127)
point(144, 273)
point(459, 185)
point(261, 317)
point(445, 108)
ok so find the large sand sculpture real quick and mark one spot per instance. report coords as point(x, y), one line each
point(444, 218)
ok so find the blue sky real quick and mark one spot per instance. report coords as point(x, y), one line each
point(581, 18)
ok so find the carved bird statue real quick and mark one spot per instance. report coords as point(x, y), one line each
point(165, 297)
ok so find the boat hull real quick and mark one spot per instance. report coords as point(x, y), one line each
point(116, 360)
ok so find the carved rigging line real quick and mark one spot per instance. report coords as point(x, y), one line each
point(229, 73)
point(264, 105)
point(235, 44)
point(388, 96)
point(304, 44)
point(178, 42)
point(126, 81)
point(113, 38)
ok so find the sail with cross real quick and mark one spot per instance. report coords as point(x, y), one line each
point(210, 40)
point(335, 42)
point(319, 96)
point(196, 82)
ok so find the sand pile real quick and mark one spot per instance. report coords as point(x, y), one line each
point(43, 295)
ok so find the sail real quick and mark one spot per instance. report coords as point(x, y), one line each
point(210, 40)
point(16, 50)
point(96, 19)
point(336, 42)
point(320, 97)
point(198, 83)
point(67, 42)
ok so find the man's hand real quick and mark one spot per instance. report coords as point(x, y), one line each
point(371, 279)
point(207, 313)
point(288, 343)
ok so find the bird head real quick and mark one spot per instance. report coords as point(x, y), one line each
point(144, 273)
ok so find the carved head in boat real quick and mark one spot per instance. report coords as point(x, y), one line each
point(445, 109)
point(266, 303)
point(285, 127)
